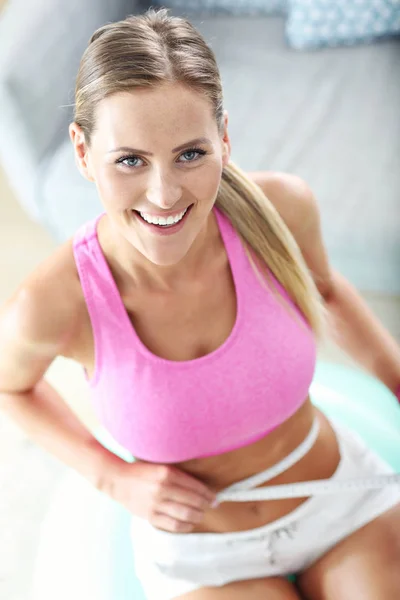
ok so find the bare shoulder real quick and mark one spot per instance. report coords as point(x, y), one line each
point(49, 300)
point(298, 207)
point(290, 194)
point(39, 321)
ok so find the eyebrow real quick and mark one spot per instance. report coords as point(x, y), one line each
point(201, 140)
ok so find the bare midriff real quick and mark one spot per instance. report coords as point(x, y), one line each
point(220, 471)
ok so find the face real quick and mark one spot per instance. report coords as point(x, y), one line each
point(147, 167)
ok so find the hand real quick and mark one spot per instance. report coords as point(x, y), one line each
point(167, 497)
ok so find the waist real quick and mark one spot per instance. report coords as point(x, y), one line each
point(223, 470)
point(271, 472)
point(315, 456)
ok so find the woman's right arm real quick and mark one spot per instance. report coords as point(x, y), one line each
point(35, 326)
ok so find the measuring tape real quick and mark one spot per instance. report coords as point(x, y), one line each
point(309, 488)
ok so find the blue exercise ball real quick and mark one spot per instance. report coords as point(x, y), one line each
point(85, 549)
point(362, 403)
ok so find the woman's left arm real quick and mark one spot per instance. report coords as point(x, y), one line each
point(355, 327)
point(360, 333)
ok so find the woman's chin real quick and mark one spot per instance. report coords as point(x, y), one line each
point(165, 259)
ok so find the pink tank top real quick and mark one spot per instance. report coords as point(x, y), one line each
point(167, 411)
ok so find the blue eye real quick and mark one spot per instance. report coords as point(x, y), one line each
point(198, 151)
point(125, 160)
point(128, 160)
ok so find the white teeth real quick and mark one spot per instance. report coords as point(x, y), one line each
point(163, 220)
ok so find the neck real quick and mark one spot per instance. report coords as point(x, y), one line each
point(132, 265)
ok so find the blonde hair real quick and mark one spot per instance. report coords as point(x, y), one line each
point(155, 48)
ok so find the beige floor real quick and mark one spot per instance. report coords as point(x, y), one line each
point(27, 474)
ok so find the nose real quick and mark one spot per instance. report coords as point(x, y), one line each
point(163, 191)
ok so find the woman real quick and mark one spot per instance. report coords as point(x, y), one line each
point(195, 316)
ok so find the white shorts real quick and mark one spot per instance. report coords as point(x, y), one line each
point(171, 564)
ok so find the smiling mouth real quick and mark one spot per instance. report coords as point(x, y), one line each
point(163, 222)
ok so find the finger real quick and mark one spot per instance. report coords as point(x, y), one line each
point(185, 496)
point(167, 523)
point(191, 483)
point(181, 512)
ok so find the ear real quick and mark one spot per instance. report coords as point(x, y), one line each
point(81, 151)
point(226, 141)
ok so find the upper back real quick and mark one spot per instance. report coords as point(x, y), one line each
point(39, 321)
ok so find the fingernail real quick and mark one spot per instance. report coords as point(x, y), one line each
point(215, 503)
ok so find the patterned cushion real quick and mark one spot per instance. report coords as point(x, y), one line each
point(316, 23)
point(233, 7)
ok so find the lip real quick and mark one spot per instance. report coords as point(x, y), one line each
point(163, 231)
